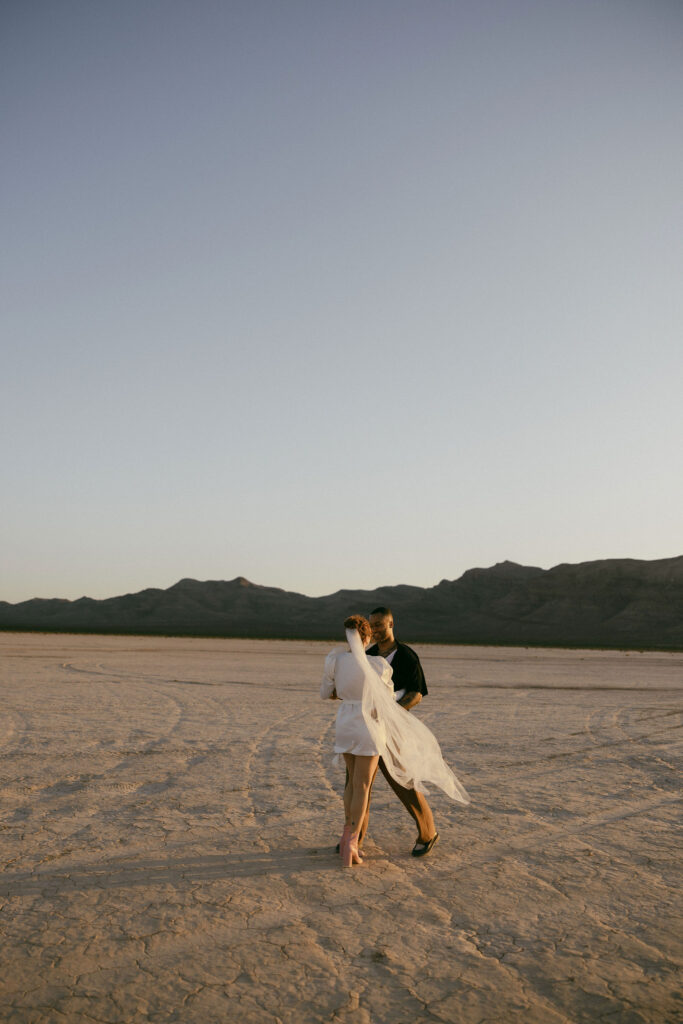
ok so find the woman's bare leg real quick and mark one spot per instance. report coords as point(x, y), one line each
point(364, 769)
point(348, 788)
point(366, 816)
point(359, 775)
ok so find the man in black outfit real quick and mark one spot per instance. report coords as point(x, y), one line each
point(409, 689)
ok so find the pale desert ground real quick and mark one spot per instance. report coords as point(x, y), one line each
point(169, 812)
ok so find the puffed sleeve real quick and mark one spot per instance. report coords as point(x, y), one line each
point(327, 685)
point(383, 670)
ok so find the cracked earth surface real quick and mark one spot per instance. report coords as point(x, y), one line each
point(169, 812)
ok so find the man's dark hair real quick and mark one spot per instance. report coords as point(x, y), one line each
point(382, 611)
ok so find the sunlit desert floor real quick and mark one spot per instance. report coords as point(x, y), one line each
point(169, 815)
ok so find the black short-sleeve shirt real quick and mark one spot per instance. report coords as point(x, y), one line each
point(407, 670)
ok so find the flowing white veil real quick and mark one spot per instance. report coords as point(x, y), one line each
point(409, 749)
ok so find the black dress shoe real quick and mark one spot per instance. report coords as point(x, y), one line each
point(422, 849)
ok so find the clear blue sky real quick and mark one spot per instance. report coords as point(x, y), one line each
point(337, 294)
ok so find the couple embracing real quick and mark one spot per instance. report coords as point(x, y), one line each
point(378, 679)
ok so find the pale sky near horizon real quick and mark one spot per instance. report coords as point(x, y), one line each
point(337, 294)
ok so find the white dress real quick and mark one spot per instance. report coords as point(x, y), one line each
point(343, 673)
point(370, 722)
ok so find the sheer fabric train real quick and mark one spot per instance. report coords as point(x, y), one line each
point(409, 749)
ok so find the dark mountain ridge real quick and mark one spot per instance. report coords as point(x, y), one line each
point(624, 603)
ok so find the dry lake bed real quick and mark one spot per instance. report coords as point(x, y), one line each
point(169, 811)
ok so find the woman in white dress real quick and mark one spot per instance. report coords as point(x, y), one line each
point(371, 725)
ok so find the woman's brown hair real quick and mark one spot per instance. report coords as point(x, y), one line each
point(361, 624)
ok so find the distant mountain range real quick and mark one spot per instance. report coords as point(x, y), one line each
point(622, 603)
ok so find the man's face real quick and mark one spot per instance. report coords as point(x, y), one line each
point(381, 626)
